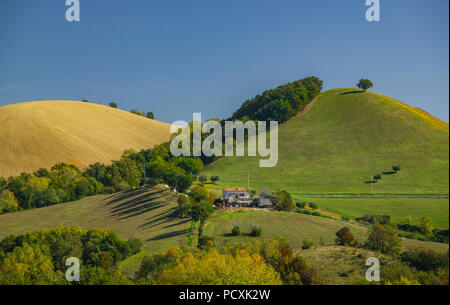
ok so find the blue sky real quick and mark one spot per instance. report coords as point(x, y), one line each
point(179, 57)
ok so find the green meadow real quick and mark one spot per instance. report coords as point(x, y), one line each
point(397, 208)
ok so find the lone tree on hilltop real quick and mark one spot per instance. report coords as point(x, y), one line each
point(364, 84)
point(113, 105)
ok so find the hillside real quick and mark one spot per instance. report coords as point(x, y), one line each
point(147, 213)
point(341, 140)
point(41, 134)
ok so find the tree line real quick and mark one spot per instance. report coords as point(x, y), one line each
point(66, 182)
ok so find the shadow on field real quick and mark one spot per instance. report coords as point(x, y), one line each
point(351, 92)
point(168, 235)
point(136, 202)
point(388, 173)
point(370, 181)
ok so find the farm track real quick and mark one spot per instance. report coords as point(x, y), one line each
point(368, 195)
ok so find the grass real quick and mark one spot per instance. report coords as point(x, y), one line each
point(344, 139)
point(41, 134)
point(293, 226)
point(146, 213)
point(143, 213)
point(397, 208)
point(342, 265)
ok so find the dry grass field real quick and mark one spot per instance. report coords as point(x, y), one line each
point(41, 134)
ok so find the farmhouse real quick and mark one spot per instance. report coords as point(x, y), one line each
point(262, 203)
point(233, 194)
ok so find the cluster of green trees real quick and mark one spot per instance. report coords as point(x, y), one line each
point(280, 104)
point(268, 262)
point(423, 230)
point(39, 257)
point(303, 204)
point(65, 182)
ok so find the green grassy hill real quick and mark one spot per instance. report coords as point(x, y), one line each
point(341, 140)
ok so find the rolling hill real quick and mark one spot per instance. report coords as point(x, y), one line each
point(40, 134)
point(342, 139)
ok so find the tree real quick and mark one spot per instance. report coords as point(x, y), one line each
point(85, 101)
point(236, 231)
point(150, 115)
point(113, 105)
point(284, 201)
point(214, 179)
point(200, 212)
point(396, 168)
point(426, 225)
point(364, 84)
point(202, 179)
point(8, 202)
point(313, 205)
point(184, 206)
point(384, 239)
point(344, 237)
point(377, 177)
point(408, 220)
point(214, 268)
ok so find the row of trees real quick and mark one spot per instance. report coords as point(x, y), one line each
point(149, 114)
point(65, 182)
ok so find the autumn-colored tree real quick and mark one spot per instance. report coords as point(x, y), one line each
point(8, 202)
point(426, 225)
point(344, 237)
point(213, 268)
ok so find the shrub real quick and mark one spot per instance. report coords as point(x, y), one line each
point(256, 231)
point(307, 244)
point(300, 204)
point(236, 231)
point(425, 259)
point(344, 237)
point(313, 205)
point(345, 218)
point(396, 168)
point(135, 245)
point(206, 242)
